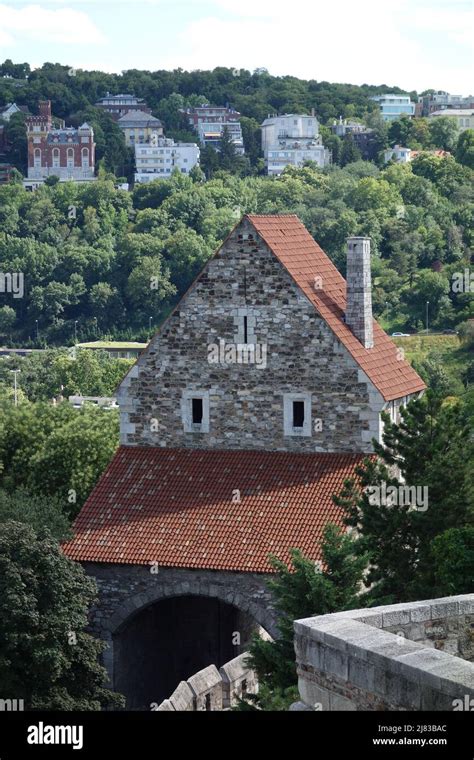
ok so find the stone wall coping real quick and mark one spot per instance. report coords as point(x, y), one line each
point(235, 669)
point(360, 635)
point(182, 697)
point(204, 680)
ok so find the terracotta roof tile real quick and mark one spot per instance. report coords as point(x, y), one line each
point(299, 253)
point(177, 507)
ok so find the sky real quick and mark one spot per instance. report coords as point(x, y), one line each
point(413, 44)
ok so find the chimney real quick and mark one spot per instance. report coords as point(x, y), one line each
point(359, 290)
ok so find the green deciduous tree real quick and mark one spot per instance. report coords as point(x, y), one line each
point(46, 656)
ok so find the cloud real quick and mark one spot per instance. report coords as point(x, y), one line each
point(38, 24)
point(398, 43)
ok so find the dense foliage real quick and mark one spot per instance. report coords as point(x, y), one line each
point(100, 261)
point(46, 657)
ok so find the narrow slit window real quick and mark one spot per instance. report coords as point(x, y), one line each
point(208, 702)
point(197, 410)
point(298, 414)
point(245, 331)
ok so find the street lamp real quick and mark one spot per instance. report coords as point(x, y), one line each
point(427, 307)
point(37, 330)
point(15, 373)
point(75, 330)
point(150, 319)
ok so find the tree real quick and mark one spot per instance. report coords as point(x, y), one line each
point(7, 319)
point(349, 151)
point(432, 450)
point(453, 558)
point(444, 132)
point(465, 148)
point(228, 158)
point(39, 512)
point(301, 590)
point(47, 658)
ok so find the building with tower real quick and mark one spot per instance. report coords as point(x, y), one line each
point(66, 152)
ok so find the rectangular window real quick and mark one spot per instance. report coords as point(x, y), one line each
point(196, 411)
point(298, 414)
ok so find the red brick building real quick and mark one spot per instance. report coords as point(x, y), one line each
point(67, 153)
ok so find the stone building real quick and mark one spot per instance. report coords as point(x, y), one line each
point(67, 153)
point(249, 408)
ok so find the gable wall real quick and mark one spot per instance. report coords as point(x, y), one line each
point(246, 401)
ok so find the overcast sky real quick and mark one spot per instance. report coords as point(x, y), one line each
point(414, 44)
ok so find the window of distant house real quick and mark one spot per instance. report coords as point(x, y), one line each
point(70, 157)
point(37, 157)
point(55, 157)
point(297, 414)
point(195, 411)
point(85, 158)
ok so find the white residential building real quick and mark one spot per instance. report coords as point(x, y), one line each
point(290, 140)
point(209, 122)
point(393, 106)
point(398, 153)
point(158, 159)
point(464, 117)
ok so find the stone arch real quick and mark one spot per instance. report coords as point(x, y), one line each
point(135, 603)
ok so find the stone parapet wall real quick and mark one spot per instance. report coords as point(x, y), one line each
point(413, 656)
point(213, 689)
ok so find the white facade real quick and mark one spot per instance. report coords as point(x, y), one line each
point(158, 161)
point(394, 106)
point(210, 133)
point(464, 116)
point(400, 154)
point(290, 140)
point(8, 111)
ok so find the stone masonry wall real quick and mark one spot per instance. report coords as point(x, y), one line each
point(367, 660)
point(245, 400)
point(123, 590)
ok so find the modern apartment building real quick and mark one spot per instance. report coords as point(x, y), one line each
point(441, 100)
point(393, 106)
point(209, 123)
point(158, 159)
point(290, 140)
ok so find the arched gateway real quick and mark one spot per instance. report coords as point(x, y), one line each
point(258, 397)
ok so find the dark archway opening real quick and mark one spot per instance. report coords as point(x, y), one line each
point(171, 640)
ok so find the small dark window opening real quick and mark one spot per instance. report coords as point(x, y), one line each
point(208, 702)
point(245, 330)
point(298, 414)
point(197, 411)
point(244, 687)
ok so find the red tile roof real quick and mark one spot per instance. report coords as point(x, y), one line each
point(175, 507)
point(299, 253)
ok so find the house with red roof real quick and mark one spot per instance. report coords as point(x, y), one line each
point(250, 407)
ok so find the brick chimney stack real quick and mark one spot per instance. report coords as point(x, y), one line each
point(359, 290)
